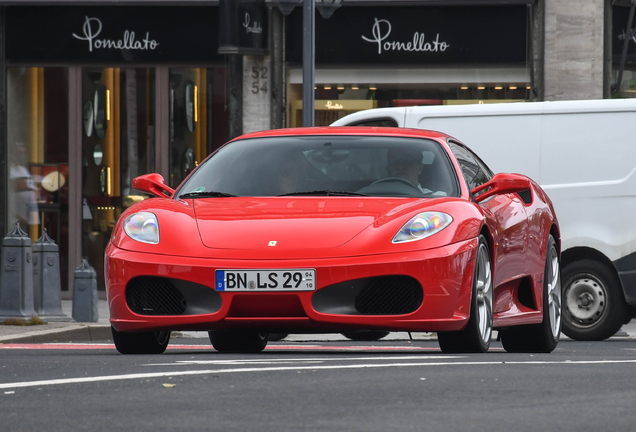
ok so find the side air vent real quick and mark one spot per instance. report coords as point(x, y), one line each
point(148, 295)
point(526, 196)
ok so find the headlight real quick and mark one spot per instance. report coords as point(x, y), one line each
point(421, 226)
point(143, 227)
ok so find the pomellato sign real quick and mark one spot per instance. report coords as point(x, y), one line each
point(382, 30)
point(113, 34)
point(416, 34)
point(93, 27)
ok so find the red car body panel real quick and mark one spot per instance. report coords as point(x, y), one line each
point(343, 239)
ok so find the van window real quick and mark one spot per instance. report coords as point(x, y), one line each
point(384, 122)
point(474, 170)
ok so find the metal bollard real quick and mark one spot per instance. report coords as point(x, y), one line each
point(16, 288)
point(85, 306)
point(47, 285)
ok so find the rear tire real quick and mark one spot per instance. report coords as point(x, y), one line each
point(238, 341)
point(140, 343)
point(544, 337)
point(475, 338)
point(366, 335)
point(594, 306)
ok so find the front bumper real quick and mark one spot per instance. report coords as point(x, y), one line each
point(444, 276)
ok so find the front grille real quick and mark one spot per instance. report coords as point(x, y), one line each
point(149, 295)
point(389, 295)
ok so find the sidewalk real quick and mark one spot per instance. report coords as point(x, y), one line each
point(61, 331)
point(72, 331)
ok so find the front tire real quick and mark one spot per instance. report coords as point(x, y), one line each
point(140, 343)
point(238, 341)
point(475, 338)
point(594, 307)
point(544, 337)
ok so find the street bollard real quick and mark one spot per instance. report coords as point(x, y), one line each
point(47, 285)
point(16, 284)
point(85, 294)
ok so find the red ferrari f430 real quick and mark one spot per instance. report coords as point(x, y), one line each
point(338, 230)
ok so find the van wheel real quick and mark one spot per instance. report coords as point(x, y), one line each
point(594, 307)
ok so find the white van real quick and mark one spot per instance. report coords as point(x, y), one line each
point(583, 154)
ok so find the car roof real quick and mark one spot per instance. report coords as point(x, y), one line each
point(347, 130)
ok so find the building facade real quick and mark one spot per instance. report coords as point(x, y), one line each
point(94, 93)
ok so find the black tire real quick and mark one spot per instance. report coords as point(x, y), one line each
point(140, 343)
point(544, 337)
point(238, 341)
point(366, 335)
point(475, 337)
point(594, 306)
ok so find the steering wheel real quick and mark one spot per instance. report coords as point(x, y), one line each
point(392, 186)
point(393, 179)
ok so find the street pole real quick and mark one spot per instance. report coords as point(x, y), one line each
point(309, 61)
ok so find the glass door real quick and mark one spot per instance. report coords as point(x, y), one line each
point(118, 144)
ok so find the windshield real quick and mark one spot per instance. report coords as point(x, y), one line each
point(325, 165)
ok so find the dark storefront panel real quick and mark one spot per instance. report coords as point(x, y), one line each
point(415, 35)
point(105, 34)
point(620, 16)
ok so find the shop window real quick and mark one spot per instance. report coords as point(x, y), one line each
point(37, 150)
point(198, 118)
point(118, 144)
point(334, 101)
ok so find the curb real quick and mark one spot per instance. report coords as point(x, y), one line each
point(79, 333)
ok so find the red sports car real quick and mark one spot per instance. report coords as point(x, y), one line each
point(344, 230)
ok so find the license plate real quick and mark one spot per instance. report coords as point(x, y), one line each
point(266, 280)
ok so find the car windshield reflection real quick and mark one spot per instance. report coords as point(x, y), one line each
point(325, 165)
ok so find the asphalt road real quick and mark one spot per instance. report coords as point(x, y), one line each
point(330, 386)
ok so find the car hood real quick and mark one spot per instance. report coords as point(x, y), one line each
point(291, 223)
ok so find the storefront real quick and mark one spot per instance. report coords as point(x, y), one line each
point(377, 56)
point(620, 35)
point(97, 96)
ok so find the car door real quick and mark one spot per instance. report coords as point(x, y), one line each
point(508, 216)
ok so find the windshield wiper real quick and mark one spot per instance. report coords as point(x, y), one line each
point(205, 194)
point(325, 192)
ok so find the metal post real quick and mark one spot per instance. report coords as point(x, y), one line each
point(309, 61)
point(235, 98)
point(277, 41)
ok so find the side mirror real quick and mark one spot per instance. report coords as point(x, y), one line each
point(153, 184)
point(501, 183)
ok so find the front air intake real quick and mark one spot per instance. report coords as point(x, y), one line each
point(378, 295)
point(389, 295)
point(149, 295)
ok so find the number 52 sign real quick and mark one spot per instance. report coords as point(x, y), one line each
point(256, 93)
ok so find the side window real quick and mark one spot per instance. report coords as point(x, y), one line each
point(475, 172)
point(384, 122)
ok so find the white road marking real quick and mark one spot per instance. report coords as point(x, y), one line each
point(296, 360)
point(43, 383)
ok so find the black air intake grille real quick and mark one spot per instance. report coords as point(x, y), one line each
point(526, 196)
point(389, 295)
point(154, 296)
